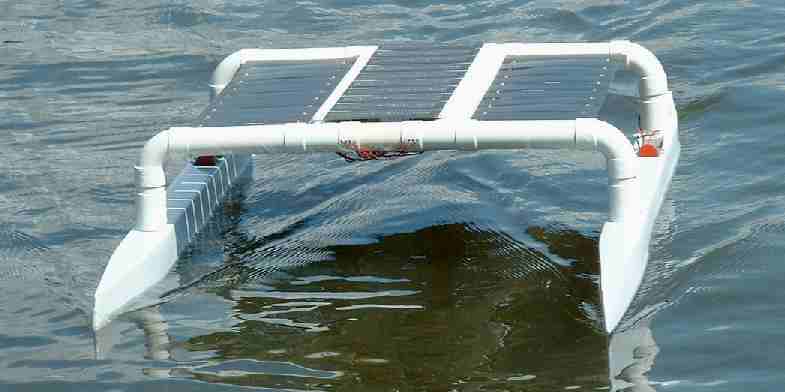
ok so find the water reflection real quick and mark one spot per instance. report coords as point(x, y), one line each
point(449, 306)
point(156, 336)
point(631, 355)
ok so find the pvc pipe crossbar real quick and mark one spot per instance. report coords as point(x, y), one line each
point(586, 134)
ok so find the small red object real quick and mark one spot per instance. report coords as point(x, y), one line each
point(205, 160)
point(648, 151)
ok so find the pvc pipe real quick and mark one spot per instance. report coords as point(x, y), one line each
point(622, 164)
point(151, 184)
point(151, 209)
point(600, 136)
point(225, 71)
point(657, 109)
point(490, 135)
point(640, 60)
point(587, 134)
point(659, 113)
point(546, 50)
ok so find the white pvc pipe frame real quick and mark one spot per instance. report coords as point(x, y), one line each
point(454, 130)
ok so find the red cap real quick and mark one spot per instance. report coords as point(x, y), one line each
point(649, 151)
point(205, 160)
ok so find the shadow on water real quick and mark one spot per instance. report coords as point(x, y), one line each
point(448, 306)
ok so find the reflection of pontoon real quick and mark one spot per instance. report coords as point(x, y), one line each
point(369, 102)
point(631, 352)
point(631, 355)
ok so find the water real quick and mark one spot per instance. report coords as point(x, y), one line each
point(439, 272)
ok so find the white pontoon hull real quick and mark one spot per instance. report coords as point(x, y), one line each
point(144, 258)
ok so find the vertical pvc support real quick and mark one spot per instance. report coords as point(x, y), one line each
point(657, 109)
point(623, 186)
point(624, 197)
point(658, 113)
point(151, 184)
point(151, 209)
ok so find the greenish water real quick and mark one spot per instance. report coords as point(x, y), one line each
point(444, 271)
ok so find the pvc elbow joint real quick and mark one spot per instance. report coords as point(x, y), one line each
point(603, 137)
point(150, 171)
point(225, 71)
point(640, 60)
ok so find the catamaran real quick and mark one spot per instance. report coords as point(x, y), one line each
point(376, 102)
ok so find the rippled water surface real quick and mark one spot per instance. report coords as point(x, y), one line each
point(445, 271)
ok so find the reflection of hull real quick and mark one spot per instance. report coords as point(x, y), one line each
point(631, 355)
point(152, 324)
point(525, 326)
point(157, 341)
point(158, 347)
point(156, 333)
